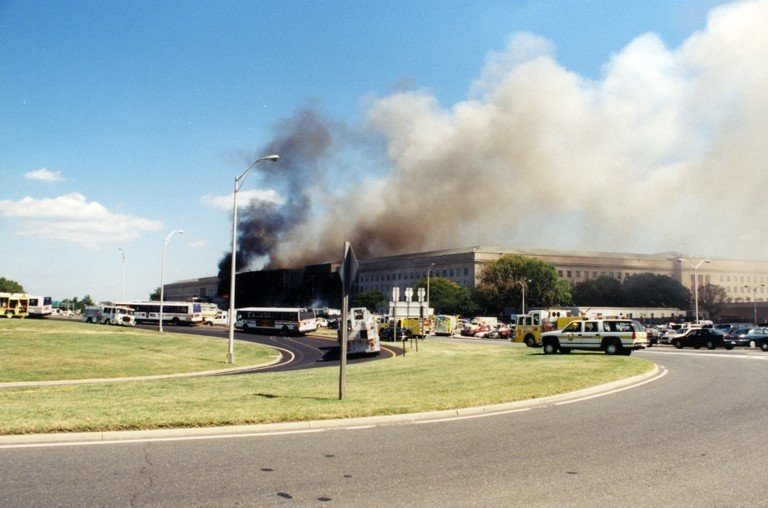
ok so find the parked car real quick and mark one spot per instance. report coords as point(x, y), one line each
point(732, 327)
point(400, 333)
point(758, 337)
point(501, 332)
point(703, 337)
point(754, 337)
point(474, 329)
point(741, 336)
point(653, 335)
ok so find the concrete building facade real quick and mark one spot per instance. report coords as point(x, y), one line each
point(203, 289)
point(744, 281)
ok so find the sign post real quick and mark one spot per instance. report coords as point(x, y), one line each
point(421, 315)
point(395, 299)
point(408, 299)
point(347, 273)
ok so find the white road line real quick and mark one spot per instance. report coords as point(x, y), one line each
point(655, 378)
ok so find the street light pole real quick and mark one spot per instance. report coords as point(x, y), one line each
point(122, 280)
point(695, 281)
point(429, 272)
point(522, 286)
point(231, 314)
point(162, 273)
point(754, 299)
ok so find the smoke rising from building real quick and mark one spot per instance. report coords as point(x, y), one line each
point(666, 150)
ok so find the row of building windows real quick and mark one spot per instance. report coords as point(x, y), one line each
point(444, 272)
point(743, 289)
point(569, 274)
point(745, 279)
point(362, 288)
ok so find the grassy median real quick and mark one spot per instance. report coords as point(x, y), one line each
point(44, 350)
point(442, 375)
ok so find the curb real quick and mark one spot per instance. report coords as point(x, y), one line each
point(106, 437)
point(59, 382)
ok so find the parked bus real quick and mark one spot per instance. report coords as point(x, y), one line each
point(362, 336)
point(14, 305)
point(175, 313)
point(40, 306)
point(285, 320)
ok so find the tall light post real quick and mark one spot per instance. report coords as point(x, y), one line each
point(754, 299)
point(429, 272)
point(162, 273)
point(695, 281)
point(122, 279)
point(239, 181)
point(522, 286)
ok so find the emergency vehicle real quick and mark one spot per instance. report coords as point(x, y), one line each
point(530, 326)
point(445, 325)
point(362, 336)
point(417, 327)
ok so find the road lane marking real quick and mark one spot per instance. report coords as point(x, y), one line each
point(663, 373)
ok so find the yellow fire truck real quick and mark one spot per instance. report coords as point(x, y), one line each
point(529, 327)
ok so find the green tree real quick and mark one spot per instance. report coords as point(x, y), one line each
point(712, 298)
point(449, 297)
point(154, 296)
point(371, 300)
point(603, 292)
point(10, 286)
point(500, 284)
point(652, 290)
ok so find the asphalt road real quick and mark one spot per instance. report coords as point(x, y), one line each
point(298, 352)
point(693, 437)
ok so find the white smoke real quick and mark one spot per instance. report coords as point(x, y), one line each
point(667, 150)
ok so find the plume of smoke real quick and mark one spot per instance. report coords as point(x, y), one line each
point(302, 141)
point(665, 151)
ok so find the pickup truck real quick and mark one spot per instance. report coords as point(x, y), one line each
point(613, 336)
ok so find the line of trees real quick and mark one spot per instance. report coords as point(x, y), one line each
point(10, 286)
point(502, 283)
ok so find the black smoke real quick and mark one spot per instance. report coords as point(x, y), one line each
point(303, 143)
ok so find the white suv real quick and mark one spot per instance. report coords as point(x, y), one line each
point(614, 336)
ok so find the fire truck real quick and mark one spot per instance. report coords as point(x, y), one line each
point(529, 327)
point(362, 337)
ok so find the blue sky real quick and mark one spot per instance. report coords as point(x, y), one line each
point(123, 121)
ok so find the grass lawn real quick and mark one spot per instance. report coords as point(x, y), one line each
point(443, 375)
point(42, 350)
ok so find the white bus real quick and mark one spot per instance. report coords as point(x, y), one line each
point(284, 320)
point(40, 306)
point(362, 335)
point(175, 313)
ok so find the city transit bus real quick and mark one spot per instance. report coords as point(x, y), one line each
point(175, 313)
point(283, 320)
point(40, 306)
